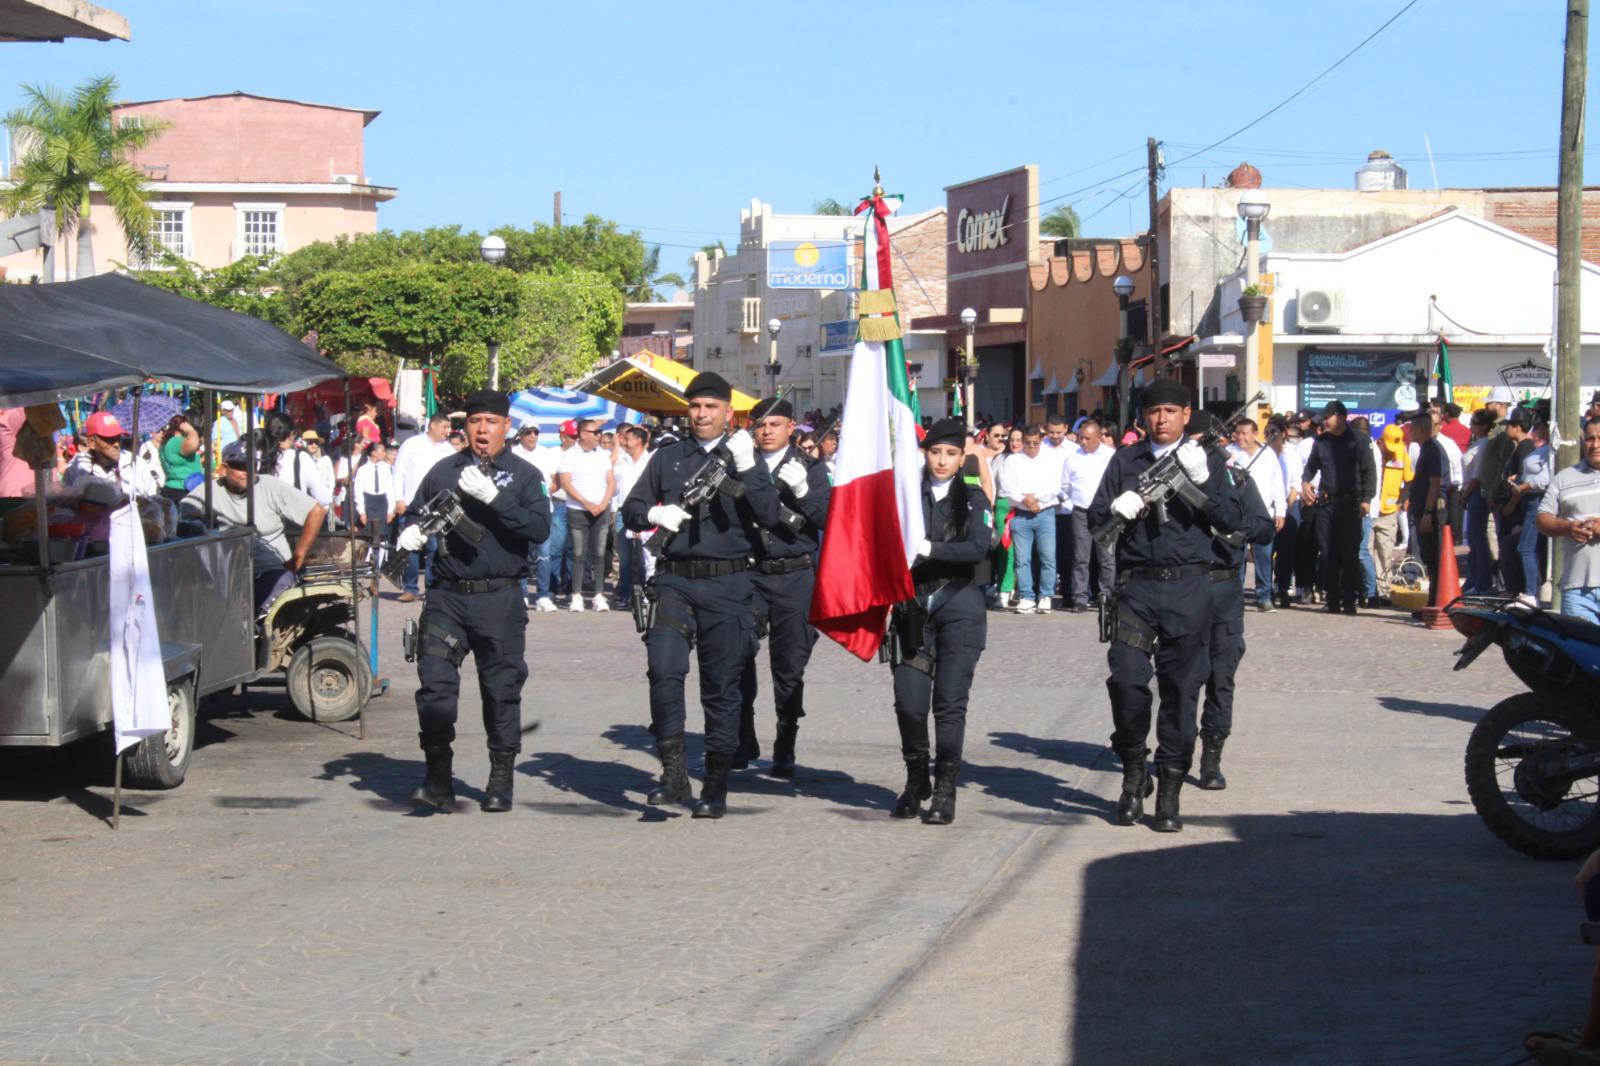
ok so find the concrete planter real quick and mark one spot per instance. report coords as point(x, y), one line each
point(1252, 309)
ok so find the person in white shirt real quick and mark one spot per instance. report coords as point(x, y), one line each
point(102, 457)
point(1031, 480)
point(1080, 480)
point(526, 448)
point(1261, 465)
point(633, 564)
point(553, 570)
point(312, 441)
point(374, 490)
point(412, 462)
point(591, 485)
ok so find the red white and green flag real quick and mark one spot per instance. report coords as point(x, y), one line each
point(875, 509)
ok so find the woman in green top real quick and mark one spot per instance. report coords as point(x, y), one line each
point(180, 457)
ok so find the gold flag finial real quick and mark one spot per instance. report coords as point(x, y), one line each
point(877, 182)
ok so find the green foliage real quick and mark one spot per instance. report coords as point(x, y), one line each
point(70, 143)
point(1062, 222)
point(240, 286)
point(567, 320)
point(829, 206)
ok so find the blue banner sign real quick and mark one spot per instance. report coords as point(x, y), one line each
point(838, 338)
point(820, 264)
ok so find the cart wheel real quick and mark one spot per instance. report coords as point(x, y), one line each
point(163, 761)
point(329, 680)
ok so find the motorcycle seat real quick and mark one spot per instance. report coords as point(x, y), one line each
point(1569, 627)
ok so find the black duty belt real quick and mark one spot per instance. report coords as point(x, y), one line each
point(793, 564)
point(1163, 573)
point(476, 584)
point(1224, 575)
point(702, 568)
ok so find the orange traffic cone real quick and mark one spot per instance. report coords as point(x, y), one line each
point(1448, 588)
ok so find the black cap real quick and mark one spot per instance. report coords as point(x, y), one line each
point(709, 383)
point(488, 402)
point(1334, 407)
point(1520, 416)
point(772, 405)
point(1166, 391)
point(234, 453)
point(946, 431)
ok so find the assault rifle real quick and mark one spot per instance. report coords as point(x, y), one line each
point(712, 478)
point(1164, 479)
point(441, 515)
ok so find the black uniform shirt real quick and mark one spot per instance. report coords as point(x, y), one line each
point(958, 542)
point(781, 541)
point(1257, 527)
point(1345, 462)
point(1185, 538)
point(730, 528)
point(518, 518)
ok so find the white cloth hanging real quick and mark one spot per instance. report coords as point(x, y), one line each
point(139, 705)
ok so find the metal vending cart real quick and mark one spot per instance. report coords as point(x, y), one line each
point(73, 339)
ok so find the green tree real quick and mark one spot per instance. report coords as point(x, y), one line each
point(70, 144)
point(567, 320)
point(1062, 222)
point(240, 286)
point(710, 250)
point(677, 281)
point(829, 206)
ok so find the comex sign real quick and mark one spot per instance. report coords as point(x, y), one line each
point(982, 231)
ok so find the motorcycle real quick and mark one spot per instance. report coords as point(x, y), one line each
point(1533, 761)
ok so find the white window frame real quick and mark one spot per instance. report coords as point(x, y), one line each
point(186, 209)
point(239, 210)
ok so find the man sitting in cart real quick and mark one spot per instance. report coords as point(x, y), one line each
point(280, 507)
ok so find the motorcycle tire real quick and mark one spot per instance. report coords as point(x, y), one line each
point(1488, 790)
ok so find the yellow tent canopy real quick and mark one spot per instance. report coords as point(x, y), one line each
point(650, 383)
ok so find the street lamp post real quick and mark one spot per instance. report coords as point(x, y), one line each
point(969, 318)
point(1123, 287)
point(773, 367)
point(493, 251)
point(1253, 208)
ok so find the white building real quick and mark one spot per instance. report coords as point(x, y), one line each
point(1347, 321)
point(733, 304)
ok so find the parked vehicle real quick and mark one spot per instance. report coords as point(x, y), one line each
point(1533, 761)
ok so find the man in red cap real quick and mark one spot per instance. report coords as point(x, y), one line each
point(102, 456)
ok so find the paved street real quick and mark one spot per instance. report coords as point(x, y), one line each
point(1340, 903)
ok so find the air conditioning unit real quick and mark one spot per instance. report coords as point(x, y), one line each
point(345, 179)
point(1321, 310)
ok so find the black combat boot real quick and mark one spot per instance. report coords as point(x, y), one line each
point(783, 748)
point(918, 788)
point(1211, 778)
point(714, 793)
point(497, 793)
point(942, 809)
point(1136, 785)
point(1167, 820)
point(436, 790)
point(674, 787)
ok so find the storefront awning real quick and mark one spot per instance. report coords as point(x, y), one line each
point(1054, 388)
point(1037, 373)
point(650, 383)
point(1108, 380)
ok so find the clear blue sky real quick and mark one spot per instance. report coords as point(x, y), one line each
point(668, 118)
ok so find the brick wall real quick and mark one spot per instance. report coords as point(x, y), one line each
point(919, 267)
point(1532, 213)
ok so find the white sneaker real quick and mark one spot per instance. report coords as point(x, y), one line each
point(1025, 607)
point(1528, 600)
point(600, 604)
point(545, 604)
point(1044, 606)
point(576, 607)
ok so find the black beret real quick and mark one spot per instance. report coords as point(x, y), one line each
point(488, 402)
point(1334, 407)
point(708, 383)
point(946, 431)
point(772, 405)
point(1166, 391)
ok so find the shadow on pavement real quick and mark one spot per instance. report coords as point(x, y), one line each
point(389, 780)
point(43, 775)
point(1071, 752)
point(1321, 937)
point(1459, 712)
point(617, 787)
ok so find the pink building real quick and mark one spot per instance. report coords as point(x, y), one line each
point(236, 175)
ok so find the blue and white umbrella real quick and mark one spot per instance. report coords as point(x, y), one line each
point(548, 408)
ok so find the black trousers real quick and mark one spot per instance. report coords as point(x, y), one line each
point(1307, 549)
point(785, 601)
point(1338, 529)
point(1180, 614)
point(1066, 549)
point(717, 611)
point(491, 626)
point(1227, 649)
point(957, 633)
point(1283, 554)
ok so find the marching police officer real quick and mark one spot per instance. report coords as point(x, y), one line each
point(782, 577)
point(1349, 481)
point(1227, 625)
point(702, 589)
point(938, 635)
point(1162, 600)
point(474, 600)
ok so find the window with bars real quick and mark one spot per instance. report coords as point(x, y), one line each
point(259, 232)
point(169, 231)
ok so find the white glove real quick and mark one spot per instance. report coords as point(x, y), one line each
point(669, 516)
point(478, 485)
point(924, 548)
point(743, 450)
point(793, 474)
point(1192, 458)
point(412, 538)
point(1128, 506)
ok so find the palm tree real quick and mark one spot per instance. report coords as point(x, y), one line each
point(677, 281)
point(73, 145)
point(710, 250)
point(1062, 222)
point(829, 206)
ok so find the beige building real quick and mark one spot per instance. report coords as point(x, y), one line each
point(236, 175)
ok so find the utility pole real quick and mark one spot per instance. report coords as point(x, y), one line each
point(1569, 232)
point(558, 209)
point(1153, 300)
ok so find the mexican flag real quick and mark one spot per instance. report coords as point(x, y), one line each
point(1442, 372)
point(875, 510)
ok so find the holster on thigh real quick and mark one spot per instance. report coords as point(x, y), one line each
point(1132, 630)
point(441, 642)
point(674, 614)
